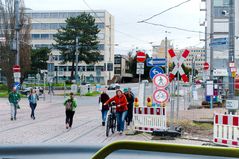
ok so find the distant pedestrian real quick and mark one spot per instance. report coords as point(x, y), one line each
point(14, 99)
point(33, 98)
point(70, 106)
point(130, 99)
point(121, 109)
point(105, 108)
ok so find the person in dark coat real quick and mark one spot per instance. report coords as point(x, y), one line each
point(130, 99)
point(105, 108)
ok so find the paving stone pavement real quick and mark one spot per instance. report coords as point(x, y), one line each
point(49, 127)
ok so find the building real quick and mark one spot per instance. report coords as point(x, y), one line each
point(218, 15)
point(195, 58)
point(45, 25)
point(159, 50)
point(122, 68)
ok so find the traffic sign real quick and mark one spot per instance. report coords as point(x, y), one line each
point(206, 66)
point(139, 71)
point(16, 68)
point(141, 56)
point(154, 71)
point(218, 42)
point(161, 81)
point(155, 62)
point(140, 65)
point(178, 65)
point(160, 96)
point(17, 85)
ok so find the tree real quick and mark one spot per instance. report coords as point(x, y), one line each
point(84, 28)
point(39, 59)
point(7, 30)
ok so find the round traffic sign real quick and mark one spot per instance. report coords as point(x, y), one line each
point(154, 71)
point(161, 80)
point(141, 56)
point(206, 66)
point(16, 68)
point(160, 96)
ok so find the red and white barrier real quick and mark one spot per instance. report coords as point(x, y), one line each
point(149, 119)
point(226, 130)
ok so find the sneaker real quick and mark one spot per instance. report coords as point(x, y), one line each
point(121, 132)
point(15, 118)
point(11, 118)
point(67, 126)
point(33, 118)
point(103, 123)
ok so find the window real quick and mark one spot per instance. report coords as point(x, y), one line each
point(82, 68)
point(101, 47)
point(117, 70)
point(45, 26)
point(35, 36)
point(62, 25)
point(100, 25)
point(36, 15)
point(101, 68)
point(101, 36)
point(117, 60)
point(101, 58)
point(44, 36)
point(90, 68)
point(63, 15)
point(54, 15)
point(44, 15)
point(54, 26)
point(36, 26)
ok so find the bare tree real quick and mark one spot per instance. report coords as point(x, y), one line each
point(7, 30)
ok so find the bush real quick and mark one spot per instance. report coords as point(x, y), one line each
point(92, 93)
point(3, 87)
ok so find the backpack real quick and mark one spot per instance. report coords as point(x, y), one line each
point(69, 105)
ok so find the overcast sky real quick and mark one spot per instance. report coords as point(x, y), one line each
point(129, 34)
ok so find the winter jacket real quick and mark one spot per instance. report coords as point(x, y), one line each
point(103, 98)
point(74, 104)
point(120, 102)
point(14, 97)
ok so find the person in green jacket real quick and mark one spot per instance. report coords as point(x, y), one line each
point(70, 105)
point(14, 99)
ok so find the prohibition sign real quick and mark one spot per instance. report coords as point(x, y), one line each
point(160, 96)
point(161, 81)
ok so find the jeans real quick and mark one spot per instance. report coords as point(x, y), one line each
point(120, 120)
point(33, 107)
point(13, 110)
point(69, 117)
point(129, 117)
point(104, 114)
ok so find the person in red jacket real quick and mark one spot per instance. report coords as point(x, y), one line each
point(121, 109)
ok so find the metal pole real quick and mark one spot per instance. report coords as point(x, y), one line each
point(177, 94)
point(139, 78)
point(17, 28)
point(211, 48)
point(172, 115)
point(77, 60)
point(231, 45)
point(166, 54)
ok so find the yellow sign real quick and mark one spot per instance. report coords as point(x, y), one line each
point(234, 74)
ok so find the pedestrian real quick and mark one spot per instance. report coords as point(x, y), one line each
point(33, 98)
point(121, 109)
point(70, 105)
point(130, 99)
point(14, 99)
point(105, 108)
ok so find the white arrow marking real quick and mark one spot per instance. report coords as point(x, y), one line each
point(151, 62)
point(155, 71)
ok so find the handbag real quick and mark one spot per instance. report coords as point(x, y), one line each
point(100, 106)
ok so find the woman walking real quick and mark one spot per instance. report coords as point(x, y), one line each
point(33, 98)
point(105, 108)
point(70, 105)
point(130, 99)
point(121, 109)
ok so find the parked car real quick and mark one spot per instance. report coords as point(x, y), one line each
point(114, 86)
point(26, 91)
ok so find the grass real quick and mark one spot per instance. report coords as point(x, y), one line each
point(92, 93)
point(4, 94)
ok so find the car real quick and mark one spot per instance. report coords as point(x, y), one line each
point(26, 91)
point(114, 86)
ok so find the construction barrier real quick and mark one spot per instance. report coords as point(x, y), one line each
point(149, 119)
point(226, 130)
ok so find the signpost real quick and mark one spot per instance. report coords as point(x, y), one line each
point(154, 71)
point(219, 42)
point(140, 65)
point(155, 62)
point(210, 92)
point(17, 75)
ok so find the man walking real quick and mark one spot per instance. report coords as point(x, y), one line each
point(14, 99)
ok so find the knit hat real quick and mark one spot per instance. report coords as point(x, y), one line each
point(125, 90)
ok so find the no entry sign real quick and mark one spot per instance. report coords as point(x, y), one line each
point(141, 56)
